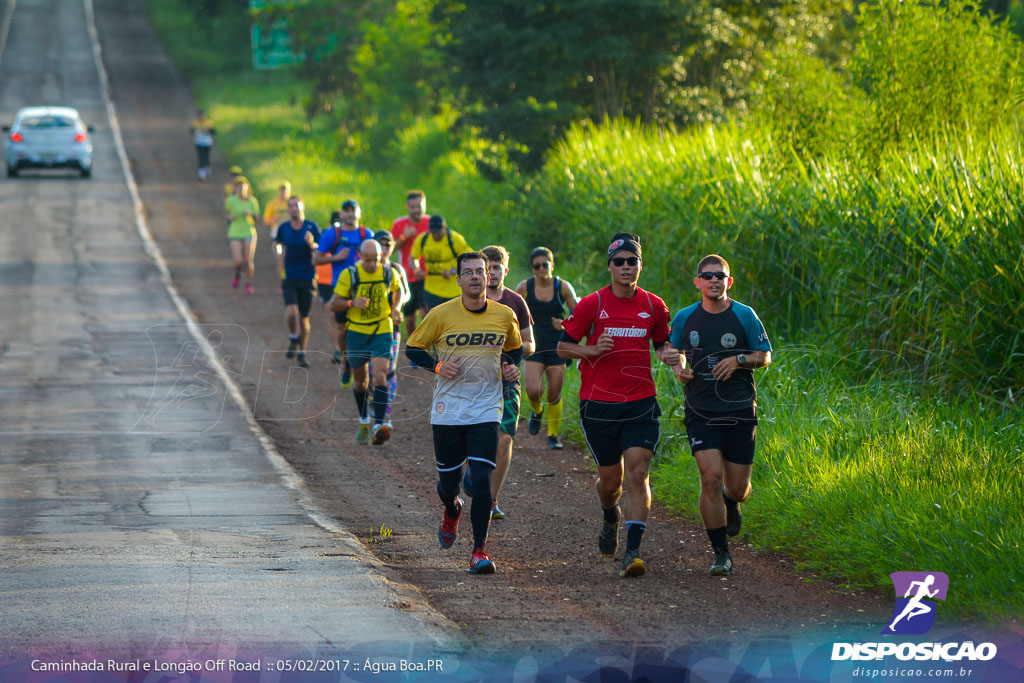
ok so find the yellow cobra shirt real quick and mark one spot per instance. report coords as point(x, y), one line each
point(439, 257)
point(475, 341)
point(376, 317)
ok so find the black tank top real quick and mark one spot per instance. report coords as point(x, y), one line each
point(544, 331)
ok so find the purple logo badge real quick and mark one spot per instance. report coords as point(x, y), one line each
point(916, 592)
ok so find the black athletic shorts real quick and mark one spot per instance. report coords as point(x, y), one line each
point(324, 292)
point(732, 433)
point(415, 301)
point(298, 293)
point(547, 357)
point(432, 300)
point(511, 394)
point(611, 428)
point(454, 444)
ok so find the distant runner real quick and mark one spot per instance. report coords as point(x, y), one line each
point(385, 239)
point(242, 211)
point(440, 249)
point(405, 231)
point(297, 238)
point(202, 137)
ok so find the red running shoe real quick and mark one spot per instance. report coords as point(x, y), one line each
point(449, 528)
point(481, 562)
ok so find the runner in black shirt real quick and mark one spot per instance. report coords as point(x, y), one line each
point(724, 342)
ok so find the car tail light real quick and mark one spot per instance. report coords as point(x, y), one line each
point(80, 137)
point(16, 137)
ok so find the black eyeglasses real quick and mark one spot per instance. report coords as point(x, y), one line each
point(713, 275)
point(621, 260)
point(540, 266)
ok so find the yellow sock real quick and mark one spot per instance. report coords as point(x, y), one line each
point(535, 405)
point(554, 417)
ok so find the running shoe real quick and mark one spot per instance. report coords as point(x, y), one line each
point(722, 565)
point(608, 541)
point(449, 528)
point(632, 565)
point(346, 376)
point(234, 283)
point(380, 434)
point(733, 516)
point(481, 562)
point(249, 289)
point(496, 512)
point(534, 424)
point(293, 345)
point(554, 443)
point(303, 363)
point(391, 427)
point(467, 483)
point(337, 357)
point(363, 437)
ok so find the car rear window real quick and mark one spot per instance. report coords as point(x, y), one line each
point(47, 122)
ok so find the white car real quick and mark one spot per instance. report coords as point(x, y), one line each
point(48, 137)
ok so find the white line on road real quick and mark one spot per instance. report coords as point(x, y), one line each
point(291, 479)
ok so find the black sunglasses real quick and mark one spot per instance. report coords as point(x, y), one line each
point(540, 266)
point(713, 274)
point(621, 260)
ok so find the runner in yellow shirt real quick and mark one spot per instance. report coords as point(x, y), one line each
point(276, 211)
point(477, 343)
point(370, 294)
point(440, 248)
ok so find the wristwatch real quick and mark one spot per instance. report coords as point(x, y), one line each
point(741, 359)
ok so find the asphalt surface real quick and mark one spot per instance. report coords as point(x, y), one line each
point(140, 513)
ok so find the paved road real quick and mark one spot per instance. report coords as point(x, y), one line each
point(140, 513)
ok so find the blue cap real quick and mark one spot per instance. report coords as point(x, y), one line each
point(349, 204)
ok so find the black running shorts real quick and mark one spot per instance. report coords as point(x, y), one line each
point(415, 301)
point(454, 444)
point(548, 357)
point(611, 428)
point(324, 292)
point(733, 434)
point(298, 293)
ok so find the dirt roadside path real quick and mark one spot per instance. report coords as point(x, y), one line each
point(552, 586)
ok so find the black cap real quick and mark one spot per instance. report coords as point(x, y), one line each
point(382, 235)
point(349, 204)
point(436, 222)
point(624, 241)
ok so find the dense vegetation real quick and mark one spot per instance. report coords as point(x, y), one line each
point(857, 163)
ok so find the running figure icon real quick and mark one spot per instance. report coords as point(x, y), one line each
point(915, 607)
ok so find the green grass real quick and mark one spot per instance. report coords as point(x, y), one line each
point(890, 436)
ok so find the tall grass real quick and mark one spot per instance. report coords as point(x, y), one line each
point(917, 262)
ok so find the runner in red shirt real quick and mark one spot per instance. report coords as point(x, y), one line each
point(618, 408)
point(405, 231)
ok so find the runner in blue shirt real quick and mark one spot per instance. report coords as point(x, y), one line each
point(339, 246)
point(297, 239)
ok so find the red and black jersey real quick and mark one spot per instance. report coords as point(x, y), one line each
point(624, 373)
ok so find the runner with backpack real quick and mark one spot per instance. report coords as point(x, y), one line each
point(440, 248)
point(339, 248)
